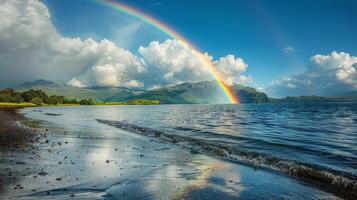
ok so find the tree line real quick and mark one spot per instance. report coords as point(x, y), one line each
point(39, 97)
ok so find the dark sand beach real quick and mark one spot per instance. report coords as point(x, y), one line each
point(11, 133)
point(17, 143)
point(96, 161)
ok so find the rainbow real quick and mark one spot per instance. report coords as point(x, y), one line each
point(173, 34)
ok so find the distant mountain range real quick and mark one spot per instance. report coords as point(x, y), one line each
point(185, 93)
point(308, 99)
point(39, 83)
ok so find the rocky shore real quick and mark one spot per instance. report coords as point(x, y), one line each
point(14, 140)
point(11, 133)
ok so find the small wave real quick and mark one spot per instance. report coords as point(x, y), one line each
point(329, 179)
point(261, 142)
point(53, 114)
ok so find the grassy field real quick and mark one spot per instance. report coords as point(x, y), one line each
point(132, 102)
point(27, 104)
point(24, 104)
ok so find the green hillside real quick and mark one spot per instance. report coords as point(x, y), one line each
point(97, 94)
point(185, 93)
point(201, 92)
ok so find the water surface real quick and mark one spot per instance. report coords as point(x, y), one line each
point(322, 136)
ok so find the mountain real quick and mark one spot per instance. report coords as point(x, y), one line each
point(39, 82)
point(350, 96)
point(310, 99)
point(96, 93)
point(185, 93)
point(201, 92)
point(249, 94)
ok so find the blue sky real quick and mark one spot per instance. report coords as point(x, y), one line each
point(284, 48)
point(257, 31)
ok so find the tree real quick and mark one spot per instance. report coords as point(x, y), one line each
point(37, 100)
point(30, 94)
point(54, 100)
point(8, 91)
point(5, 97)
point(73, 101)
point(17, 98)
point(38, 97)
point(87, 101)
point(9, 95)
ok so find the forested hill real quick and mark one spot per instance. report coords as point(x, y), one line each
point(191, 92)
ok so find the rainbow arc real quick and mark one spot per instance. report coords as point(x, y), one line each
point(173, 34)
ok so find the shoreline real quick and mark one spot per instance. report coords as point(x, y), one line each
point(330, 181)
point(16, 143)
point(109, 162)
point(12, 134)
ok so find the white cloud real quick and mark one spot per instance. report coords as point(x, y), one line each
point(343, 65)
point(113, 67)
point(155, 4)
point(288, 50)
point(76, 83)
point(178, 63)
point(134, 83)
point(175, 60)
point(32, 48)
point(232, 68)
point(331, 74)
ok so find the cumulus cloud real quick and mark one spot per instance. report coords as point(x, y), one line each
point(113, 67)
point(177, 63)
point(232, 68)
point(32, 48)
point(342, 64)
point(331, 74)
point(174, 61)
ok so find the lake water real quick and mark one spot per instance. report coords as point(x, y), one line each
point(317, 141)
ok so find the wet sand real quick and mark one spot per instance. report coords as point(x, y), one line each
point(11, 134)
point(16, 141)
point(95, 161)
